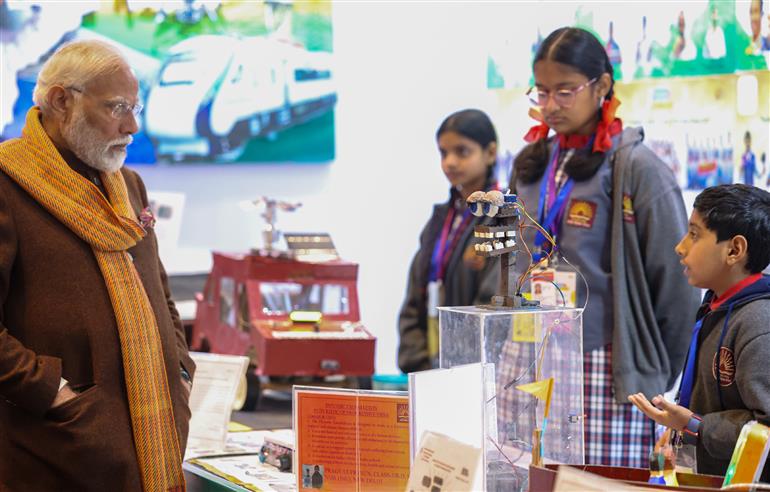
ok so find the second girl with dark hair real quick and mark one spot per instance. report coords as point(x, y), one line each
point(616, 213)
point(446, 270)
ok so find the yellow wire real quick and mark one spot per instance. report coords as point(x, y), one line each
point(537, 224)
point(532, 265)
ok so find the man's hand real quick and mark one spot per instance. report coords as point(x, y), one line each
point(661, 411)
point(64, 395)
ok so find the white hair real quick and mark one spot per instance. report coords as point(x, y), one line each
point(75, 65)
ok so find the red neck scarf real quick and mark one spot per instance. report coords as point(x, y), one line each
point(573, 141)
point(607, 127)
point(718, 301)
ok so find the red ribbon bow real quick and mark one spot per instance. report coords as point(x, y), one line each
point(537, 132)
point(607, 127)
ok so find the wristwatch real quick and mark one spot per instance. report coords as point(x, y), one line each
point(690, 432)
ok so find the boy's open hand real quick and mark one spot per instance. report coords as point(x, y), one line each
point(661, 411)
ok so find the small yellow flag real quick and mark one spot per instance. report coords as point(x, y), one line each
point(540, 389)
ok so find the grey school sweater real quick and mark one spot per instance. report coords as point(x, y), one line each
point(639, 300)
point(743, 323)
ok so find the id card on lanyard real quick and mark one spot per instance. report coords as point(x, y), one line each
point(453, 229)
point(554, 287)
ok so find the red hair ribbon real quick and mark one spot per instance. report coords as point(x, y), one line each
point(607, 127)
point(537, 132)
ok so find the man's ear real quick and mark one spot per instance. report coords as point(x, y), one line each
point(59, 100)
point(738, 251)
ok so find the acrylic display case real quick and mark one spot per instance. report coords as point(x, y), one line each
point(523, 346)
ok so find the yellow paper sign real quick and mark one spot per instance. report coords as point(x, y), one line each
point(524, 328)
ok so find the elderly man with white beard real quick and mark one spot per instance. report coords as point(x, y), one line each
point(94, 370)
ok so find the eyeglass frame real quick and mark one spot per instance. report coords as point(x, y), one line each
point(572, 93)
point(115, 106)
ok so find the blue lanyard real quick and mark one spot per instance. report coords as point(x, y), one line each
point(550, 222)
point(688, 377)
point(446, 243)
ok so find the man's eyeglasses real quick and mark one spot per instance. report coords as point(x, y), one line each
point(118, 110)
point(564, 98)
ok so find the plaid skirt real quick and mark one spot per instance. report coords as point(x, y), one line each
point(616, 434)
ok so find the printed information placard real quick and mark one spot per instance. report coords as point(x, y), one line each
point(351, 440)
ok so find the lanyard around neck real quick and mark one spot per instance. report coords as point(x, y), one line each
point(552, 202)
point(447, 243)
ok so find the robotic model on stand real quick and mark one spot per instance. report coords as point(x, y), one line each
point(499, 240)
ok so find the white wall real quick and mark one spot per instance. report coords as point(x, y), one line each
point(400, 69)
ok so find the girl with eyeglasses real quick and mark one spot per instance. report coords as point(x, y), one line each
point(446, 270)
point(615, 212)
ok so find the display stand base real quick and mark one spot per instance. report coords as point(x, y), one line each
point(504, 303)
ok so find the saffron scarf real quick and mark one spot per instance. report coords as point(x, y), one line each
point(110, 228)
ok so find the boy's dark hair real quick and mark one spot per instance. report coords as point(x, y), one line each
point(470, 123)
point(739, 209)
point(582, 51)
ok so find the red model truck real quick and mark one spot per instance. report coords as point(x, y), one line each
point(297, 321)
